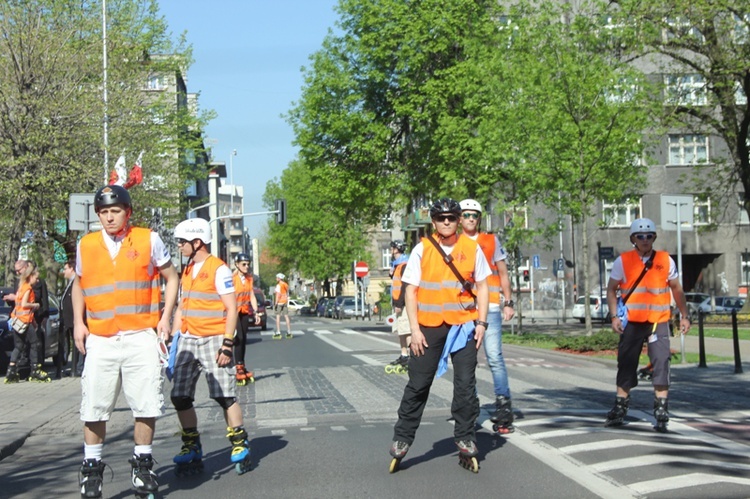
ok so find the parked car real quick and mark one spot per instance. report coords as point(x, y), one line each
point(295, 305)
point(49, 338)
point(724, 304)
point(693, 301)
point(337, 305)
point(262, 304)
point(597, 305)
point(320, 308)
point(329, 308)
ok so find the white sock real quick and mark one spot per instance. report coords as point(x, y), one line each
point(140, 450)
point(93, 451)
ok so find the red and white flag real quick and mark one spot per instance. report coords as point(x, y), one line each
point(136, 173)
point(118, 175)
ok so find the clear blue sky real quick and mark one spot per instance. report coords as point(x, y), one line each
point(248, 58)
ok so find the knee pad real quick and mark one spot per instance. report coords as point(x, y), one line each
point(225, 402)
point(182, 403)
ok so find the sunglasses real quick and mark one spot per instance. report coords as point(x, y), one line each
point(244, 264)
point(446, 218)
point(645, 237)
point(467, 215)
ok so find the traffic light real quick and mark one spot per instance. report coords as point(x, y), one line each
point(281, 211)
point(526, 276)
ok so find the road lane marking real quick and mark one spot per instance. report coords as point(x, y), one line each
point(684, 481)
point(334, 344)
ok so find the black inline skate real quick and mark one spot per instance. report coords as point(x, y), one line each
point(189, 460)
point(398, 451)
point(143, 479)
point(467, 455)
point(11, 376)
point(616, 416)
point(503, 416)
point(646, 373)
point(661, 413)
point(240, 449)
point(39, 376)
point(91, 478)
point(398, 366)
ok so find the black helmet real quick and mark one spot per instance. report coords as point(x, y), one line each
point(110, 195)
point(445, 205)
point(399, 245)
point(242, 257)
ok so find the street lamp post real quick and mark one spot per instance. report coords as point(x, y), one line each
point(231, 181)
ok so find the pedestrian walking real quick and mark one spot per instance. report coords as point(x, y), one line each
point(500, 309)
point(116, 297)
point(401, 321)
point(65, 337)
point(206, 320)
point(247, 308)
point(446, 302)
point(281, 306)
point(645, 278)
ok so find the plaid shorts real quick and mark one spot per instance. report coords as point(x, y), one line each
point(196, 354)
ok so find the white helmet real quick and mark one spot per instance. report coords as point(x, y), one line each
point(193, 228)
point(280, 276)
point(640, 225)
point(470, 204)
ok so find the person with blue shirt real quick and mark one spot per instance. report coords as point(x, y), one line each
point(400, 324)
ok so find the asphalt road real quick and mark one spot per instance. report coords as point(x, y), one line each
point(321, 413)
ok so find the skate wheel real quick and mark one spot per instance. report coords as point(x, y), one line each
point(243, 467)
point(394, 465)
point(389, 369)
point(469, 463)
point(251, 379)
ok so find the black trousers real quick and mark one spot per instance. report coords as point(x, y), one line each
point(30, 337)
point(465, 405)
point(243, 324)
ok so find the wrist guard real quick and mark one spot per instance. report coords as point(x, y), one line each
point(228, 342)
point(226, 352)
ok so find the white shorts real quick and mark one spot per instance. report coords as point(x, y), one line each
point(130, 362)
point(401, 326)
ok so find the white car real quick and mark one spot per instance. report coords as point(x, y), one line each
point(295, 305)
point(598, 306)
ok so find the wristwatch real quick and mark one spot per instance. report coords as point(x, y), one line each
point(482, 323)
point(509, 303)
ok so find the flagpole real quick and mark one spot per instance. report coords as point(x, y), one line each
point(104, 64)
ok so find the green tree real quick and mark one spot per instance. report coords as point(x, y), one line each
point(52, 112)
point(708, 43)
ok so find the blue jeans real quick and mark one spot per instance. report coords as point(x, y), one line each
point(493, 349)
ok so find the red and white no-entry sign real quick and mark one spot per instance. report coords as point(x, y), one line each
point(361, 269)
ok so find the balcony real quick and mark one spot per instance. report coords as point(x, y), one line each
point(416, 220)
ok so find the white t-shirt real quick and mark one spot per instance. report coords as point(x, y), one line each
point(618, 273)
point(159, 253)
point(413, 271)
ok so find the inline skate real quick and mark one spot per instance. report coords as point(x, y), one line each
point(289, 335)
point(398, 366)
point(467, 455)
point(143, 479)
point(240, 449)
point(39, 376)
point(646, 373)
point(398, 451)
point(243, 375)
point(661, 413)
point(502, 418)
point(616, 416)
point(189, 461)
point(11, 376)
point(276, 335)
point(91, 478)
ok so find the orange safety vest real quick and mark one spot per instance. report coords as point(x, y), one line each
point(244, 292)
point(203, 312)
point(651, 299)
point(282, 296)
point(440, 296)
point(25, 315)
point(397, 285)
point(487, 243)
point(121, 294)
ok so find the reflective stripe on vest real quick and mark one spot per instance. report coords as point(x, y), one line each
point(440, 296)
point(243, 290)
point(121, 294)
point(25, 315)
point(203, 312)
point(650, 302)
point(487, 243)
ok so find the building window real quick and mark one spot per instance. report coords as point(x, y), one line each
point(685, 90)
point(688, 149)
point(386, 223)
point(739, 95)
point(742, 29)
point(701, 209)
point(386, 258)
point(743, 213)
point(156, 82)
point(745, 268)
point(517, 216)
point(679, 27)
point(621, 213)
